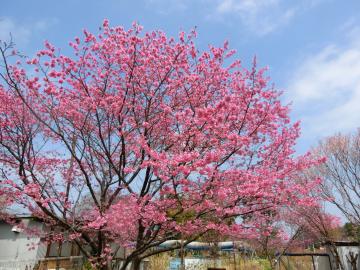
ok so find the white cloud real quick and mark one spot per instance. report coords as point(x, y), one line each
point(262, 17)
point(8, 27)
point(250, 6)
point(21, 33)
point(257, 15)
point(325, 89)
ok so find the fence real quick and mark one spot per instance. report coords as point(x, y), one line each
point(304, 261)
point(18, 265)
point(69, 263)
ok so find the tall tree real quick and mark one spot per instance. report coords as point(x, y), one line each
point(341, 173)
point(140, 124)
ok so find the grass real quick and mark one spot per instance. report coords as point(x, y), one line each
point(161, 262)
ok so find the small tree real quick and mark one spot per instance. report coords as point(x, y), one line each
point(139, 124)
point(271, 240)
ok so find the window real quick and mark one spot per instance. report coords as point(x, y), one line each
point(65, 249)
point(54, 250)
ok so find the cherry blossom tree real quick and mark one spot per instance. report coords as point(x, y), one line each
point(316, 227)
point(294, 228)
point(271, 239)
point(114, 143)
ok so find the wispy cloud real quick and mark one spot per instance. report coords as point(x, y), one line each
point(258, 16)
point(262, 17)
point(21, 32)
point(325, 88)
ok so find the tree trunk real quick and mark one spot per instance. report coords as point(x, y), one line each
point(135, 264)
point(105, 267)
point(338, 263)
point(124, 265)
point(182, 254)
point(353, 260)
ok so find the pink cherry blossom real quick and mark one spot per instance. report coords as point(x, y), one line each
point(137, 138)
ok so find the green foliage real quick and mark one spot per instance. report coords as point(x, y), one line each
point(352, 231)
point(87, 266)
point(264, 263)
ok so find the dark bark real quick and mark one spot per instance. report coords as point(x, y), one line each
point(124, 265)
point(353, 260)
point(135, 264)
point(105, 267)
point(133, 261)
point(338, 263)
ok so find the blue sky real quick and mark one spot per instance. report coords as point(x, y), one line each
point(312, 47)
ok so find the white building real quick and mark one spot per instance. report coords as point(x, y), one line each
point(21, 251)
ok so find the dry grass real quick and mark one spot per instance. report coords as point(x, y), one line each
point(300, 263)
point(161, 262)
point(247, 265)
